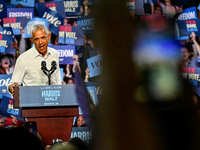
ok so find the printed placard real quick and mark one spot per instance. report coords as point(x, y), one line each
point(188, 14)
point(57, 6)
point(72, 7)
point(71, 35)
point(7, 109)
point(186, 26)
point(28, 3)
point(86, 22)
point(5, 44)
point(54, 19)
point(20, 12)
point(31, 23)
point(95, 64)
point(130, 4)
point(3, 9)
point(93, 94)
point(65, 53)
point(17, 24)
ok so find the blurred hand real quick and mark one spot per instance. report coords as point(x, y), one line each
point(11, 88)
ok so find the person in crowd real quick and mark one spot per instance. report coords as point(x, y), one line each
point(80, 144)
point(28, 66)
point(6, 63)
point(169, 8)
point(79, 122)
point(2, 121)
point(87, 75)
point(158, 10)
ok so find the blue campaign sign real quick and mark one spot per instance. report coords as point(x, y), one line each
point(5, 44)
point(54, 19)
point(7, 109)
point(186, 26)
point(28, 3)
point(20, 12)
point(71, 35)
point(65, 53)
point(86, 22)
point(31, 23)
point(17, 24)
point(188, 14)
point(72, 7)
point(57, 6)
point(4, 81)
point(93, 94)
point(94, 64)
point(3, 9)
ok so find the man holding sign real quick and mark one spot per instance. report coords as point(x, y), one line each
point(28, 66)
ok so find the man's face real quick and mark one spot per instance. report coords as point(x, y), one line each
point(2, 123)
point(40, 39)
point(185, 54)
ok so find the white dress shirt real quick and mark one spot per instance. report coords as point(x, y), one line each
point(28, 71)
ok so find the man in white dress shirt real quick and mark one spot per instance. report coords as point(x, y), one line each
point(27, 70)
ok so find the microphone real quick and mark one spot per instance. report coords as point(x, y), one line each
point(47, 72)
point(53, 66)
point(43, 67)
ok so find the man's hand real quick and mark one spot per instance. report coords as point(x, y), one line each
point(11, 88)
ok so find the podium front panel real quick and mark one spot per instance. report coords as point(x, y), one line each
point(51, 95)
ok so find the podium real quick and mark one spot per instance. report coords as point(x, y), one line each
point(53, 108)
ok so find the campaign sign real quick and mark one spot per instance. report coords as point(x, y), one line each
point(86, 22)
point(130, 4)
point(31, 23)
point(71, 35)
point(28, 3)
point(188, 14)
point(97, 86)
point(3, 9)
point(93, 94)
point(65, 53)
point(7, 110)
point(20, 12)
point(72, 7)
point(83, 133)
point(54, 20)
point(5, 44)
point(4, 81)
point(16, 24)
point(186, 26)
point(94, 64)
point(57, 6)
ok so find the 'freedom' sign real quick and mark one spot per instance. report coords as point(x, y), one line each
point(65, 53)
point(188, 14)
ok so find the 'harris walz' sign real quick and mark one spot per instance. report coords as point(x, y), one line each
point(52, 95)
point(16, 23)
point(72, 7)
point(86, 22)
point(83, 133)
point(71, 35)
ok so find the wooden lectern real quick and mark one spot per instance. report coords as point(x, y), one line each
point(52, 107)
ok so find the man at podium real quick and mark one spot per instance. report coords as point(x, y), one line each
point(39, 65)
